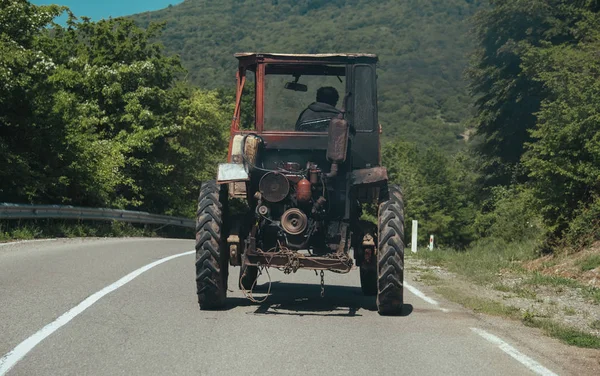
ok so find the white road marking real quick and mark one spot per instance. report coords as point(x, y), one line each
point(15, 355)
point(516, 354)
point(418, 293)
point(27, 241)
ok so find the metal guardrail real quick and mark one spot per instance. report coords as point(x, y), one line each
point(20, 211)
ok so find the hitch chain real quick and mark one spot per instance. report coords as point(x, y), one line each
point(322, 284)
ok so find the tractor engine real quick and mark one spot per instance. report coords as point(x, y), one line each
point(297, 206)
point(291, 206)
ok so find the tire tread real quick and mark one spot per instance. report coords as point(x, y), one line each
point(390, 255)
point(211, 271)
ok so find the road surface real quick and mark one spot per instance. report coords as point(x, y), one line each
point(122, 307)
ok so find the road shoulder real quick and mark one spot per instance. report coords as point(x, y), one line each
point(508, 315)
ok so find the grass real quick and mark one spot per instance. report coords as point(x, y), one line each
point(429, 278)
point(591, 293)
point(488, 259)
point(547, 280)
point(590, 262)
point(569, 311)
point(566, 334)
point(563, 333)
point(502, 287)
point(487, 306)
point(524, 293)
point(484, 261)
point(518, 291)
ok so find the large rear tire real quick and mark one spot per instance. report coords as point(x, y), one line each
point(390, 253)
point(212, 265)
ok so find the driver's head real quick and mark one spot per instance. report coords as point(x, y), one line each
point(328, 95)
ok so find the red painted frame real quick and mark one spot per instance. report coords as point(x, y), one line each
point(257, 63)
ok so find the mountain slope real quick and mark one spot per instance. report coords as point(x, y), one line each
point(423, 47)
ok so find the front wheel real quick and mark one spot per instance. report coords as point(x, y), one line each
point(390, 255)
point(212, 264)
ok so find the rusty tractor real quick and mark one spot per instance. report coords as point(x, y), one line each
point(304, 161)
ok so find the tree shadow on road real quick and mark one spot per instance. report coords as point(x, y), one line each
point(304, 300)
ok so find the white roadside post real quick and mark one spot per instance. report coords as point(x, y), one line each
point(430, 243)
point(415, 229)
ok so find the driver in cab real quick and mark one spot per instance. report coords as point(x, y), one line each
point(318, 114)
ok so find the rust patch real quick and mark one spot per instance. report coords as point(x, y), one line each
point(367, 176)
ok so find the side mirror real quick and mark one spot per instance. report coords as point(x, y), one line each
point(296, 86)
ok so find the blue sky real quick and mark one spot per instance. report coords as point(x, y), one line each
point(99, 9)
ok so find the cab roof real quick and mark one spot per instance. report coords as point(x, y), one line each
point(340, 58)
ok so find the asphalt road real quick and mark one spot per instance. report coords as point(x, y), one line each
point(151, 325)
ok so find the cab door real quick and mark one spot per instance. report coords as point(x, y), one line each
point(362, 115)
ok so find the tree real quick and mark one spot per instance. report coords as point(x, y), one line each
point(536, 77)
point(507, 97)
point(564, 157)
point(436, 191)
point(95, 115)
point(24, 70)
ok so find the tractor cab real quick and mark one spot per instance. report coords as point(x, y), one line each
point(274, 90)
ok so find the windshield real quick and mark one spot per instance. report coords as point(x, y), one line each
point(303, 101)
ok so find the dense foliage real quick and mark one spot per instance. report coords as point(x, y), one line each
point(536, 73)
point(92, 115)
point(437, 191)
point(95, 114)
point(423, 47)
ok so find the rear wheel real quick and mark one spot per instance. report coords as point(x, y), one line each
point(390, 255)
point(211, 257)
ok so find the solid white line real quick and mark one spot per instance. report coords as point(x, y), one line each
point(419, 294)
point(12, 357)
point(516, 354)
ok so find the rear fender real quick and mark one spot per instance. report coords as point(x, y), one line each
point(366, 183)
point(235, 175)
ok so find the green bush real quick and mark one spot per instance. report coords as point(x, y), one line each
point(510, 215)
point(536, 76)
point(437, 192)
point(585, 227)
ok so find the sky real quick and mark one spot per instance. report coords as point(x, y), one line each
point(99, 9)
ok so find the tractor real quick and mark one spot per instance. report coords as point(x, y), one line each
point(303, 166)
